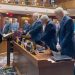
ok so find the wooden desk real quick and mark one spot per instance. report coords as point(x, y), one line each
point(29, 64)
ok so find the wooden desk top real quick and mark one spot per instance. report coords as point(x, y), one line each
point(39, 58)
point(40, 64)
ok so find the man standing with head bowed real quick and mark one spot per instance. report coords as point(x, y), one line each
point(49, 32)
point(36, 28)
point(65, 33)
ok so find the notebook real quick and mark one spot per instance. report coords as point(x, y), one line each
point(61, 58)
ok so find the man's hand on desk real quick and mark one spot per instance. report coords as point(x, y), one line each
point(58, 47)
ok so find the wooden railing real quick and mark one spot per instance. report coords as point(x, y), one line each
point(40, 3)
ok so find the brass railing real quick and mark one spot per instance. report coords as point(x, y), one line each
point(35, 3)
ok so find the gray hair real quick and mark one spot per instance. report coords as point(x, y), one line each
point(44, 17)
point(26, 21)
point(59, 10)
point(36, 15)
point(16, 19)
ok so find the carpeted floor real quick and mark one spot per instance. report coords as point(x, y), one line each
point(4, 70)
point(7, 71)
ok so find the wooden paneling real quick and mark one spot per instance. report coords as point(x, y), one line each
point(70, 4)
point(18, 16)
point(67, 4)
point(1, 21)
point(3, 46)
point(60, 1)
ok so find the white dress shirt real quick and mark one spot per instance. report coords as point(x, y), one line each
point(44, 26)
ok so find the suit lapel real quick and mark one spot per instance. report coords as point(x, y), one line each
point(62, 23)
point(47, 26)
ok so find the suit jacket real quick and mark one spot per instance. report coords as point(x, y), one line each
point(26, 27)
point(49, 36)
point(15, 26)
point(7, 28)
point(66, 36)
point(35, 30)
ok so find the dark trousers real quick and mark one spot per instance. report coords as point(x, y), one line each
point(74, 70)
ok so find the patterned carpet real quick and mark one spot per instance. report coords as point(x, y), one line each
point(7, 71)
point(4, 70)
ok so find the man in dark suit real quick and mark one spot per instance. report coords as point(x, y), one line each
point(49, 33)
point(35, 29)
point(26, 26)
point(65, 33)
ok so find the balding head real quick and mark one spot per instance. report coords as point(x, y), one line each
point(59, 12)
point(26, 21)
point(36, 16)
point(44, 18)
point(16, 19)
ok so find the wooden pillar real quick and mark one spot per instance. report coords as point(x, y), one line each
point(3, 47)
point(0, 1)
point(1, 21)
point(19, 20)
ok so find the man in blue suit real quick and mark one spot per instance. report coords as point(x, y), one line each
point(65, 33)
point(35, 29)
point(26, 26)
point(48, 33)
point(14, 25)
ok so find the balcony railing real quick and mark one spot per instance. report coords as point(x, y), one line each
point(36, 3)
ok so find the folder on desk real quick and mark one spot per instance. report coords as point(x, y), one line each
point(61, 58)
